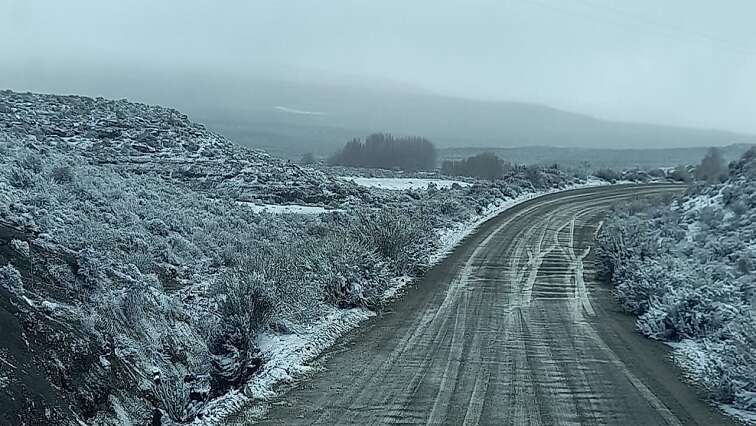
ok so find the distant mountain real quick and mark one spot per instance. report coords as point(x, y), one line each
point(288, 118)
point(291, 118)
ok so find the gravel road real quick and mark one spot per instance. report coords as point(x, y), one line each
point(512, 328)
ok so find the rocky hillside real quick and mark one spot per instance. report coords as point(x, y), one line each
point(136, 276)
point(151, 139)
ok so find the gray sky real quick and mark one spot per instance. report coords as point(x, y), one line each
point(682, 62)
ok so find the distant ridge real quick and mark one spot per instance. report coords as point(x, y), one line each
point(598, 157)
point(288, 118)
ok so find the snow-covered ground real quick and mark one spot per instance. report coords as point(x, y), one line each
point(401, 184)
point(287, 208)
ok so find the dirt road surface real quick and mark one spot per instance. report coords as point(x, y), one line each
point(512, 328)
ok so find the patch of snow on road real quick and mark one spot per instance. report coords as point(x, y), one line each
point(287, 208)
point(401, 184)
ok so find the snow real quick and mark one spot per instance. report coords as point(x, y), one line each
point(287, 358)
point(397, 285)
point(746, 417)
point(693, 357)
point(401, 184)
point(287, 208)
point(296, 111)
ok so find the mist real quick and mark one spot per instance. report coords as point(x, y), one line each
point(672, 63)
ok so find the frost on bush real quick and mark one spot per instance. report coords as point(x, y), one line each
point(245, 306)
point(10, 279)
point(687, 272)
point(21, 247)
point(395, 236)
point(350, 273)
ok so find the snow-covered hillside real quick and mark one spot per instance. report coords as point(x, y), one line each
point(688, 271)
point(136, 276)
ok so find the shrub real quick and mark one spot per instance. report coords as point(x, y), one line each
point(10, 279)
point(62, 174)
point(712, 168)
point(350, 273)
point(687, 273)
point(608, 175)
point(397, 236)
point(20, 178)
point(245, 306)
point(681, 174)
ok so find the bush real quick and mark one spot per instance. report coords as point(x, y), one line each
point(681, 174)
point(20, 178)
point(62, 174)
point(245, 306)
point(10, 279)
point(398, 237)
point(608, 175)
point(350, 273)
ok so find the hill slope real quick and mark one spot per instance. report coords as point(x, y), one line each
point(599, 157)
point(136, 280)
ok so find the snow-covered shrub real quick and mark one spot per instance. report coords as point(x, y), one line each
point(687, 271)
point(398, 237)
point(10, 279)
point(350, 273)
point(21, 248)
point(681, 174)
point(172, 394)
point(244, 301)
point(20, 178)
point(245, 306)
point(608, 175)
point(62, 174)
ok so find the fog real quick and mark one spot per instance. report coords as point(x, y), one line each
point(674, 62)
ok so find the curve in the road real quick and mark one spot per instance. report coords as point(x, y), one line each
point(511, 329)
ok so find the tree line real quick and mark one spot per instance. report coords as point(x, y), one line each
point(384, 151)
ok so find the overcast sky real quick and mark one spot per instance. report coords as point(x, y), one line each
point(674, 61)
